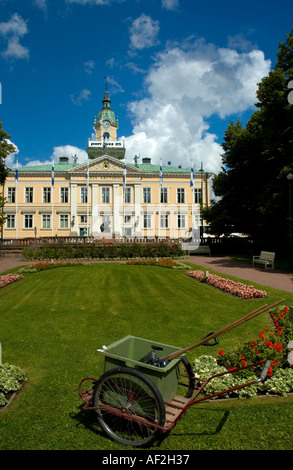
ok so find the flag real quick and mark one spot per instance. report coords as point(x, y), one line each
point(161, 174)
point(53, 173)
point(191, 176)
point(16, 173)
point(124, 175)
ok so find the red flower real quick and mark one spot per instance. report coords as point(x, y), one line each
point(221, 352)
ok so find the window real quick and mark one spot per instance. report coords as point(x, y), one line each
point(83, 219)
point(197, 195)
point(46, 195)
point(28, 221)
point(63, 221)
point(164, 195)
point(105, 195)
point(164, 221)
point(127, 219)
point(29, 195)
point(196, 219)
point(46, 221)
point(83, 195)
point(64, 195)
point(127, 195)
point(147, 195)
point(10, 195)
point(181, 221)
point(180, 195)
point(10, 221)
point(147, 221)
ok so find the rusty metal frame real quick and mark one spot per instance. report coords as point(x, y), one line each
point(179, 403)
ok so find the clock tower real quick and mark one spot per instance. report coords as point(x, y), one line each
point(106, 126)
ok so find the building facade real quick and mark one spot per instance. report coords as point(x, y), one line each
point(105, 196)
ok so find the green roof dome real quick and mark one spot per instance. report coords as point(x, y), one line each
point(106, 112)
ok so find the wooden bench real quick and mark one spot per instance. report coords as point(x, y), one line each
point(266, 259)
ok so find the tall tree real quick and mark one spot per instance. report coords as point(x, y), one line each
point(5, 149)
point(252, 185)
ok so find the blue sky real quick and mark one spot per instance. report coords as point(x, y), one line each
point(178, 72)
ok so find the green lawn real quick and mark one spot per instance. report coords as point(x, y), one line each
point(52, 323)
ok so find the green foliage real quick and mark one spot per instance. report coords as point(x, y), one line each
point(256, 161)
point(207, 366)
point(107, 251)
point(11, 379)
point(271, 344)
point(5, 149)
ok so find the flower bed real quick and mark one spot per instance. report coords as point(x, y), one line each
point(227, 285)
point(163, 263)
point(9, 279)
point(45, 265)
point(273, 344)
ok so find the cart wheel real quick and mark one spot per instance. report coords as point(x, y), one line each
point(129, 391)
point(190, 373)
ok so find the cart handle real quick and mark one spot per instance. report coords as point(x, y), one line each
point(264, 372)
point(247, 317)
point(216, 341)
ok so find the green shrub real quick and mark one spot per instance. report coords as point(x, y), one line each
point(271, 344)
point(11, 378)
point(109, 250)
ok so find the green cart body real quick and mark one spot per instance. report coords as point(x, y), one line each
point(129, 352)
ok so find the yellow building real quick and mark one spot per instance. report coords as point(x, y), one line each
point(106, 196)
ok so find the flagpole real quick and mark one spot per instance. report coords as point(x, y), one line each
point(160, 197)
point(87, 192)
point(124, 186)
point(192, 195)
point(16, 197)
point(53, 197)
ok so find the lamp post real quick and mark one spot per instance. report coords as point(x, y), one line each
point(290, 179)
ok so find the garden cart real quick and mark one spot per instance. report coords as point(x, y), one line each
point(137, 400)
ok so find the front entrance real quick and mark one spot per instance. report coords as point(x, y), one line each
point(106, 224)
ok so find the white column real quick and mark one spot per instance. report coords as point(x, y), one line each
point(95, 230)
point(73, 209)
point(137, 210)
point(116, 211)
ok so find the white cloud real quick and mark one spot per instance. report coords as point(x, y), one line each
point(70, 152)
point(10, 160)
point(143, 32)
point(84, 95)
point(186, 87)
point(170, 4)
point(12, 31)
point(89, 66)
point(42, 4)
point(115, 86)
point(91, 2)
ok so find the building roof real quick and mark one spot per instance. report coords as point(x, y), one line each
point(144, 167)
point(150, 168)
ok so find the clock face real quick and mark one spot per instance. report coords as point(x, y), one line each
point(106, 123)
